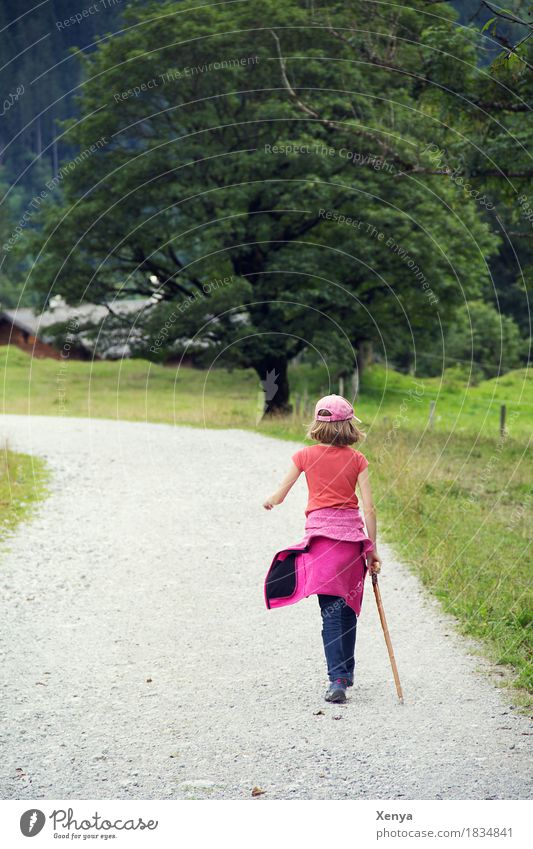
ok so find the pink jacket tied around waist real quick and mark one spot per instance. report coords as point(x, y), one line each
point(329, 560)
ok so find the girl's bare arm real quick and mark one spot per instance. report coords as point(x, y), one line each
point(363, 481)
point(288, 481)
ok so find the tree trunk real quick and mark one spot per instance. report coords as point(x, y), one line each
point(365, 354)
point(364, 357)
point(273, 374)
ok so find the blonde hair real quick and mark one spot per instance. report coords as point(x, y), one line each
point(334, 433)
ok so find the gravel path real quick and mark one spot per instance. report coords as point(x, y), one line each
point(139, 661)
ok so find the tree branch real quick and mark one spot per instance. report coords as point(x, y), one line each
point(511, 49)
point(336, 126)
point(286, 83)
point(512, 107)
point(508, 17)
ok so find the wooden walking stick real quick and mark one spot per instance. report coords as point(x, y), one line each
point(387, 636)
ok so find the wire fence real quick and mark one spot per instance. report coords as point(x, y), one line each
point(303, 406)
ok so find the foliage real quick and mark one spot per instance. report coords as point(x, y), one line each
point(214, 164)
point(485, 341)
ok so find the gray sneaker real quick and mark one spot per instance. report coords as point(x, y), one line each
point(336, 691)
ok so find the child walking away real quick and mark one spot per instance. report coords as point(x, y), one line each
point(333, 558)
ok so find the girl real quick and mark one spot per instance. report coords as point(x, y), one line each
point(333, 558)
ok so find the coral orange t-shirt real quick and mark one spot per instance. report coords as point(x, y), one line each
point(331, 472)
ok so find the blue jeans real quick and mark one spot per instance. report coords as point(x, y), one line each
point(339, 628)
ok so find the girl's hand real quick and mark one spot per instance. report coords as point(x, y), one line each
point(268, 504)
point(373, 561)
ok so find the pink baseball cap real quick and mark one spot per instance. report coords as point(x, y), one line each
point(341, 410)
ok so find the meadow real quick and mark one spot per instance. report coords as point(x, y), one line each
point(454, 496)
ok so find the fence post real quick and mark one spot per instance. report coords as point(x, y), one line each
point(503, 414)
point(431, 413)
point(296, 408)
point(341, 385)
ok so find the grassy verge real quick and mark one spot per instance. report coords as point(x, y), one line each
point(460, 515)
point(22, 486)
point(137, 390)
point(455, 500)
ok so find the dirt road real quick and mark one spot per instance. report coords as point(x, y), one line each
point(139, 660)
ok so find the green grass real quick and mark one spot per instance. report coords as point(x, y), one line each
point(137, 390)
point(22, 486)
point(460, 513)
point(388, 394)
point(454, 500)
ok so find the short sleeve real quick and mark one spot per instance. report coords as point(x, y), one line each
point(299, 459)
point(362, 462)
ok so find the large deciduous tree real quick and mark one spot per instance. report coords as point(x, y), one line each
point(289, 148)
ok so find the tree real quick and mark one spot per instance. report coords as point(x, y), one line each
point(484, 341)
point(248, 141)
